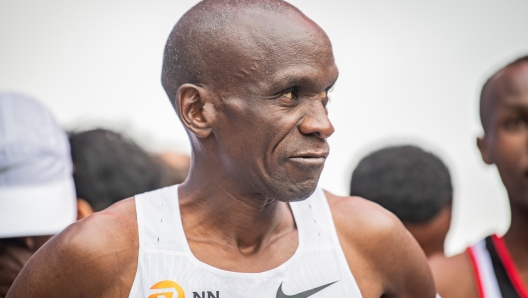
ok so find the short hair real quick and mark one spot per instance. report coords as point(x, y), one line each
point(109, 168)
point(413, 184)
point(485, 96)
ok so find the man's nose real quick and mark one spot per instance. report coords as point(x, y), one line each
point(316, 121)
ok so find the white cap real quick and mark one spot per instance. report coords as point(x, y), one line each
point(37, 193)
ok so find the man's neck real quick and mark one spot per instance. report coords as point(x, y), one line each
point(216, 211)
point(517, 237)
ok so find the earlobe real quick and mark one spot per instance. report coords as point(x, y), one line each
point(484, 151)
point(190, 100)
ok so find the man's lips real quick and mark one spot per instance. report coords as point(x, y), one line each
point(310, 158)
point(312, 154)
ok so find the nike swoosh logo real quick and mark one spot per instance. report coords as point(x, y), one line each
point(280, 293)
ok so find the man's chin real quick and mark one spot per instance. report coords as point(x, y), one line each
point(299, 192)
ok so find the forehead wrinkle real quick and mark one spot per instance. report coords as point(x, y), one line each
point(256, 56)
point(305, 75)
point(270, 77)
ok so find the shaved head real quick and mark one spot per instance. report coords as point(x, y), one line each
point(492, 92)
point(249, 80)
point(204, 45)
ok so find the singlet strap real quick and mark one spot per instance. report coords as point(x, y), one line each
point(314, 221)
point(318, 229)
point(509, 266)
point(476, 270)
point(158, 213)
point(483, 269)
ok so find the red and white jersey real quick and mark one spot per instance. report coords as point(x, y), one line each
point(495, 272)
point(167, 267)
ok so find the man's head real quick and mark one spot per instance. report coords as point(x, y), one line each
point(413, 184)
point(109, 168)
point(504, 117)
point(249, 80)
point(37, 194)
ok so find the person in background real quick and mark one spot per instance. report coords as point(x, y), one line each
point(413, 184)
point(498, 266)
point(178, 166)
point(109, 168)
point(37, 193)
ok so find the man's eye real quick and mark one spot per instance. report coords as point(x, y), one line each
point(291, 94)
point(515, 123)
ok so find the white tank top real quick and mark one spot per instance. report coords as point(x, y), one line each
point(167, 268)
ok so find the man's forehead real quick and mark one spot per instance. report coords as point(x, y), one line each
point(507, 91)
point(511, 82)
point(267, 46)
point(255, 28)
point(275, 22)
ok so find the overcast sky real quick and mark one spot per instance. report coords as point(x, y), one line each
point(410, 72)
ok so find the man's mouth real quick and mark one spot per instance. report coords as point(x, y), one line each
point(310, 158)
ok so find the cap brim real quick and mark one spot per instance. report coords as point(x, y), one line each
point(44, 209)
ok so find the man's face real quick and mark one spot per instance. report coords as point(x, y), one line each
point(506, 142)
point(272, 127)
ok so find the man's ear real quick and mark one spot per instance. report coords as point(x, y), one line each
point(482, 144)
point(83, 209)
point(190, 102)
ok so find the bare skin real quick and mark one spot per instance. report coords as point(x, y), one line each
point(258, 144)
point(431, 235)
point(505, 144)
point(447, 270)
point(14, 254)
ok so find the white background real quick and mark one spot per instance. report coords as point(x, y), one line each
point(410, 71)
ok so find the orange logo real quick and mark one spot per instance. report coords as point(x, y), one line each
point(167, 284)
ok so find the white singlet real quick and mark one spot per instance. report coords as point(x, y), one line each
point(167, 268)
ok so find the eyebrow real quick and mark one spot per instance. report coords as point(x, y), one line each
point(515, 106)
point(288, 81)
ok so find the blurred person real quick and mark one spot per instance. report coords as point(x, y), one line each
point(498, 266)
point(179, 165)
point(413, 184)
point(37, 194)
point(109, 168)
point(249, 80)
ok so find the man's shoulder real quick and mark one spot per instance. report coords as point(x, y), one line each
point(359, 217)
point(111, 230)
point(111, 227)
point(95, 256)
point(378, 247)
point(454, 275)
